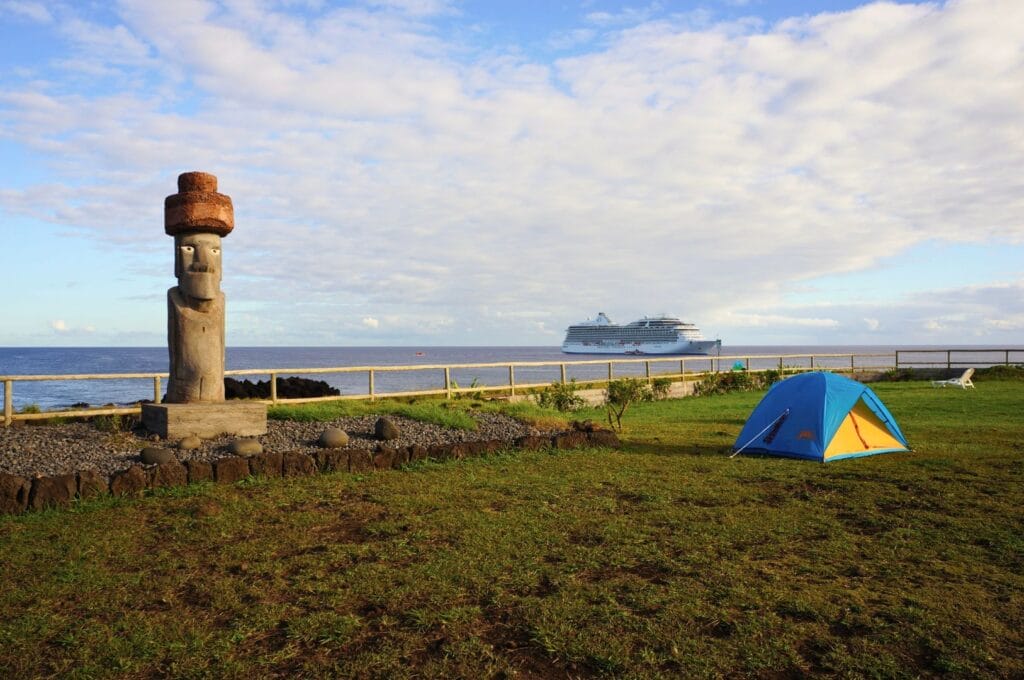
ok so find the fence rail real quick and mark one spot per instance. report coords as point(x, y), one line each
point(690, 367)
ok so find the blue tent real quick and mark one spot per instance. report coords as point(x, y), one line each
point(820, 416)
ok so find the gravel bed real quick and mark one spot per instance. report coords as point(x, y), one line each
point(46, 450)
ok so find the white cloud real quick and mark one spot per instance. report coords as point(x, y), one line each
point(59, 325)
point(675, 165)
point(36, 11)
point(370, 322)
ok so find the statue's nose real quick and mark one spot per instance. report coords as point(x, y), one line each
point(202, 257)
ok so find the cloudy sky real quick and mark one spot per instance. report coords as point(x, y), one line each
point(434, 172)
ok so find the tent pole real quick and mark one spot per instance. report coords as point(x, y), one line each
point(768, 427)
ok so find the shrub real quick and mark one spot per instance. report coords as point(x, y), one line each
point(660, 387)
point(736, 381)
point(620, 394)
point(561, 397)
point(112, 423)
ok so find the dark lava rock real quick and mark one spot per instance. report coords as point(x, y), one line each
point(92, 483)
point(385, 429)
point(171, 473)
point(569, 440)
point(331, 460)
point(417, 452)
point(296, 464)
point(128, 482)
point(384, 458)
point(440, 452)
point(360, 460)
point(230, 469)
point(585, 425)
point(333, 438)
point(190, 443)
point(532, 443)
point(152, 455)
point(288, 388)
point(199, 471)
point(266, 464)
point(14, 492)
point(605, 438)
point(51, 492)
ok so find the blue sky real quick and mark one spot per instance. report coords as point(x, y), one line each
point(418, 172)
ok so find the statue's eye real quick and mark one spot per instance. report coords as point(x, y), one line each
point(188, 249)
point(215, 251)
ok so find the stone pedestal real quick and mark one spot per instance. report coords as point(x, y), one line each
point(206, 420)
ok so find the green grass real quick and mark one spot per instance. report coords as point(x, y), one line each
point(664, 559)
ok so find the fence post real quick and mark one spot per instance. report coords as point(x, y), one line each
point(447, 382)
point(780, 364)
point(682, 367)
point(273, 387)
point(811, 357)
point(647, 370)
point(852, 367)
point(748, 362)
point(897, 359)
point(562, 367)
point(949, 359)
point(156, 389)
point(609, 371)
point(512, 379)
point(1007, 357)
point(8, 402)
point(371, 385)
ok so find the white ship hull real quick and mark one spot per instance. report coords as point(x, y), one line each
point(649, 335)
point(625, 347)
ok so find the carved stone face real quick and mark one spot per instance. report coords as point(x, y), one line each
point(197, 264)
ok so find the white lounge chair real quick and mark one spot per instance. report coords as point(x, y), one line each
point(963, 382)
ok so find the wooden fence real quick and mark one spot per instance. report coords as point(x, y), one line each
point(689, 368)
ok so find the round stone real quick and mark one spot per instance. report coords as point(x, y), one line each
point(151, 455)
point(245, 447)
point(386, 429)
point(333, 438)
point(190, 443)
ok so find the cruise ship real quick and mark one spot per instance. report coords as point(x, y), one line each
point(649, 335)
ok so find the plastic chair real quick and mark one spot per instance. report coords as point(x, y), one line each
point(963, 382)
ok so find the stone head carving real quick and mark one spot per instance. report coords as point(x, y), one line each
point(197, 217)
point(197, 264)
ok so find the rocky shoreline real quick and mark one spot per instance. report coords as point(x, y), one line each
point(50, 465)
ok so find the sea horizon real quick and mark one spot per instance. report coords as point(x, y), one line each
point(49, 395)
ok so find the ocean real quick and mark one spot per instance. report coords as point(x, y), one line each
point(50, 395)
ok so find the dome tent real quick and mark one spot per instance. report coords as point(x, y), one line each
point(820, 416)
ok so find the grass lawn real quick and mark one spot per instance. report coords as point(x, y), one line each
point(666, 558)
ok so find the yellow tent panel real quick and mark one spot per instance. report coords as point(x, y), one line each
point(860, 431)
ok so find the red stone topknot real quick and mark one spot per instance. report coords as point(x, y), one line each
point(198, 207)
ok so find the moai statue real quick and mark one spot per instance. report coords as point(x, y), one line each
point(197, 217)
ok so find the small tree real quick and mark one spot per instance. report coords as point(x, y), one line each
point(621, 393)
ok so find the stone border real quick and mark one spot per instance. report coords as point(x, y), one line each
point(18, 494)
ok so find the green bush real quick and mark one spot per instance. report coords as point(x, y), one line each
point(561, 397)
point(736, 381)
point(660, 387)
